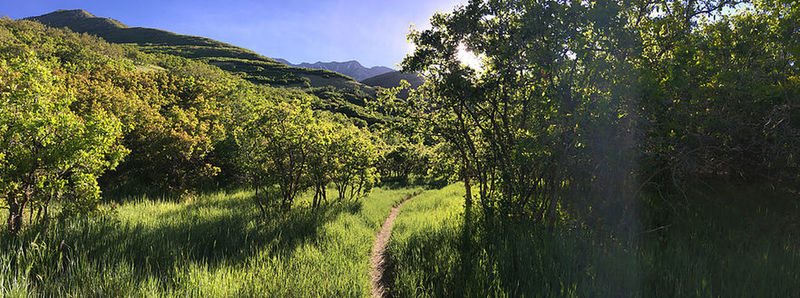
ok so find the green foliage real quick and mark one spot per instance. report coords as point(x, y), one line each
point(173, 122)
point(590, 105)
point(48, 152)
point(175, 112)
point(171, 117)
point(276, 144)
point(288, 145)
point(353, 162)
point(585, 134)
point(405, 158)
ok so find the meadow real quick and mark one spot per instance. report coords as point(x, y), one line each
point(215, 245)
point(594, 148)
point(218, 245)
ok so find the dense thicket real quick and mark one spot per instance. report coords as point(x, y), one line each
point(171, 109)
point(48, 152)
point(586, 106)
point(76, 107)
point(287, 148)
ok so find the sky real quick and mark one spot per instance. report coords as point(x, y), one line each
point(370, 31)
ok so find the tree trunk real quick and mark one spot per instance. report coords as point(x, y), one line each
point(467, 192)
point(318, 193)
point(551, 209)
point(260, 203)
point(15, 213)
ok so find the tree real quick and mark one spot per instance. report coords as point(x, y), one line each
point(321, 160)
point(354, 156)
point(276, 144)
point(47, 152)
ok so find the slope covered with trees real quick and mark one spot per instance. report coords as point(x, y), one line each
point(348, 95)
point(255, 67)
point(392, 80)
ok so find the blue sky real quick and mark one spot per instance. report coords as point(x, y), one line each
point(370, 31)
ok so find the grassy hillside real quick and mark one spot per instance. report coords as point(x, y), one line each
point(392, 80)
point(245, 63)
point(213, 246)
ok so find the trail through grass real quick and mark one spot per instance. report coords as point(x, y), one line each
point(379, 275)
point(213, 246)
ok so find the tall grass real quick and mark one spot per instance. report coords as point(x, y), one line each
point(730, 243)
point(214, 246)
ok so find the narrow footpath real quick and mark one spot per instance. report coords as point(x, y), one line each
point(378, 259)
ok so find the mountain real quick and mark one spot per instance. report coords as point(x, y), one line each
point(248, 64)
point(352, 69)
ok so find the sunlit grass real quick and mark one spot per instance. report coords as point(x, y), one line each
point(213, 246)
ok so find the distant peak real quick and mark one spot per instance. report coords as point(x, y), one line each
point(351, 62)
point(351, 68)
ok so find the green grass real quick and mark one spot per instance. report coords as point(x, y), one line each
point(735, 241)
point(213, 246)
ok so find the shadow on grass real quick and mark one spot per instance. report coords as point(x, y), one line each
point(406, 182)
point(742, 242)
point(212, 233)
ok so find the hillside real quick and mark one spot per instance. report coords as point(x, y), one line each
point(392, 79)
point(338, 92)
point(248, 64)
point(352, 68)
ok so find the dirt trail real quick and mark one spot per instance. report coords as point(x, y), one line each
point(378, 272)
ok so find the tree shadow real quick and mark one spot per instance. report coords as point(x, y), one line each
point(742, 237)
point(406, 182)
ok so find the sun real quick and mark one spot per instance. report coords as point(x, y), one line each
point(468, 58)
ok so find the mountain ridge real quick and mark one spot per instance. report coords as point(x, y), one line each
point(351, 68)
